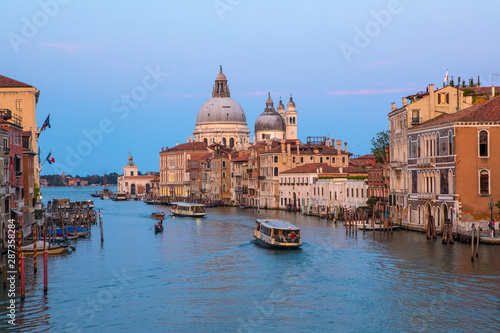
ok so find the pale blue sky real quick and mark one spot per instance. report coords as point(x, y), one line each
point(85, 55)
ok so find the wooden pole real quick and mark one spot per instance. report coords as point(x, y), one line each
point(100, 223)
point(4, 270)
point(356, 225)
point(21, 267)
point(34, 250)
point(472, 243)
point(477, 243)
point(45, 255)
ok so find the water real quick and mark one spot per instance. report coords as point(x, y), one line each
point(208, 275)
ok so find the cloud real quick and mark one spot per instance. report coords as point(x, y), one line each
point(69, 48)
point(369, 91)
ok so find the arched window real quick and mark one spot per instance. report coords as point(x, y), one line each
point(276, 172)
point(409, 147)
point(294, 159)
point(206, 141)
point(450, 143)
point(437, 144)
point(224, 141)
point(321, 160)
point(484, 182)
point(418, 146)
point(223, 187)
point(263, 136)
point(275, 159)
point(231, 142)
point(301, 160)
point(483, 143)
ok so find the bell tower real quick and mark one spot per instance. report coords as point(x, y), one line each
point(221, 89)
point(291, 120)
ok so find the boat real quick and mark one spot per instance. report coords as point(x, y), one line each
point(120, 197)
point(376, 227)
point(60, 232)
point(51, 248)
point(158, 227)
point(188, 209)
point(94, 195)
point(278, 234)
point(243, 206)
point(158, 215)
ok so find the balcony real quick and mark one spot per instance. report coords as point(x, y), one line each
point(396, 164)
point(426, 196)
point(426, 162)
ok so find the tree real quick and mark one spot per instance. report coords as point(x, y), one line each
point(379, 143)
point(497, 205)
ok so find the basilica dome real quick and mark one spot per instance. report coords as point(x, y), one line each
point(221, 110)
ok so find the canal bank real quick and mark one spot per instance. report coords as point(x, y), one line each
point(207, 274)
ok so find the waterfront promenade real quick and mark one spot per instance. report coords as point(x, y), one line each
point(208, 275)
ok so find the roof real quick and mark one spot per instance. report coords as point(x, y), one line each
point(6, 82)
point(278, 224)
point(188, 146)
point(243, 158)
point(486, 111)
point(313, 168)
point(482, 90)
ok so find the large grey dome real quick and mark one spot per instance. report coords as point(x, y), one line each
point(221, 110)
point(270, 121)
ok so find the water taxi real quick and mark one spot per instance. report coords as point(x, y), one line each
point(188, 209)
point(274, 233)
point(120, 197)
point(158, 215)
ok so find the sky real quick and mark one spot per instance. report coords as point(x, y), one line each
point(130, 76)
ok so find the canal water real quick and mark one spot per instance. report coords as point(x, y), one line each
point(208, 275)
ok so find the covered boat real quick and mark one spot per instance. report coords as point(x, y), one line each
point(274, 233)
point(188, 209)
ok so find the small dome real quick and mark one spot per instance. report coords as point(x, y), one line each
point(130, 158)
point(270, 121)
point(221, 77)
point(269, 99)
point(291, 103)
point(281, 106)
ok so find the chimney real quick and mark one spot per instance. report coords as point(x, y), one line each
point(282, 142)
point(320, 169)
point(492, 91)
point(345, 147)
point(328, 141)
point(333, 143)
point(404, 102)
point(339, 142)
point(176, 143)
point(393, 106)
point(431, 100)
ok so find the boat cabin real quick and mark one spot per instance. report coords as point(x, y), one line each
point(277, 234)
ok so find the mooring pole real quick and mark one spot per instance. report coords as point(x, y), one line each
point(34, 250)
point(477, 243)
point(472, 243)
point(100, 223)
point(45, 255)
point(21, 267)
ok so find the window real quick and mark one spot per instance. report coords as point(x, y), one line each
point(443, 98)
point(437, 144)
point(450, 143)
point(357, 193)
point(294, 159)
point(483, 143)
point(205, 141)
point(409, 147)
point(362, 194)
point(263, 136)
point(231, 142)
point(352, 192)
point(415, 116)
point(321, 160)
point(276, 172)
point(484, 182)
point(223, 187)
point(418, 146)
point(224, 176)
point(19, 104)
point(343, 159)
point(223, 164)
point(224, 141)
point(275, 159)
point(333, 159)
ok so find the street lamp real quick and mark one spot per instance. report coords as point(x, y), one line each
point(491, 204)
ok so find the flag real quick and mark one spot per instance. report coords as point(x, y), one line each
point(50, 159)
point(446, 77)
point(46, 123)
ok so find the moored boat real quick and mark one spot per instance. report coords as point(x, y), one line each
point(188, 209)
point(60, 232)
point(51, 248)
point(273, 233)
